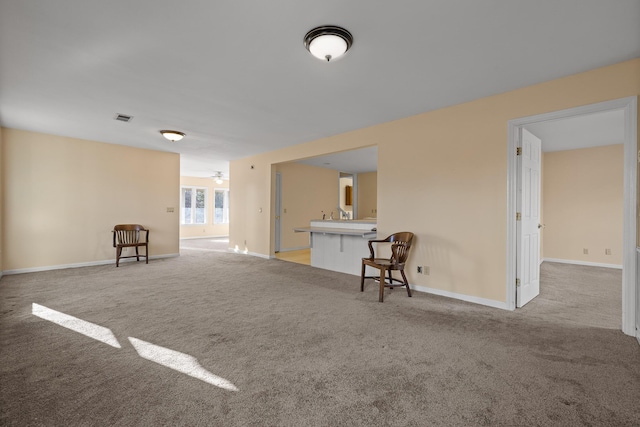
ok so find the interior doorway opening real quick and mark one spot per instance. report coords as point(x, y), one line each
point(315, 189)
point(628, 106)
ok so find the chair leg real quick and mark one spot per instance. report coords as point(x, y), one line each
point(381, 297)
point(146, 254)
point(137, 254)
point(362, 277)
point(406, 282)
point(118, 253)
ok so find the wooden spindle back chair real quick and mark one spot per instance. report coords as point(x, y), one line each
point(400, 245)
point(129, 236)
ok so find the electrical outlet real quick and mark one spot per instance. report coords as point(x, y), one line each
point(585, 251)
point(607, 251)
point(426, 270)
point(419, 269)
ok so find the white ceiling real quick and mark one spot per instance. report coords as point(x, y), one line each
point(354, 161)
point(235, 77)
point(589, 130)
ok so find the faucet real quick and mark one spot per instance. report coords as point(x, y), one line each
point(343, 214)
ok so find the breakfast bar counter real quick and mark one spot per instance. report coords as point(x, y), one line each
point(339, 245)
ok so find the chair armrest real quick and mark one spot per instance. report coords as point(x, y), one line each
point(373, 255)
point(371, 251)
point(147, 237)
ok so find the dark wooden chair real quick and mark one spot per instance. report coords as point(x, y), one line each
point(400, 245)
point(128, 236)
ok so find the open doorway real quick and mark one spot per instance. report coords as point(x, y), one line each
point(315, 189)
point(628, 108)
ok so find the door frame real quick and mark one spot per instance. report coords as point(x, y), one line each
point(277, 217)
point(629, 285)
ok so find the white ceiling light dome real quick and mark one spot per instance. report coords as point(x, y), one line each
point(328, 42)
point(172, 135)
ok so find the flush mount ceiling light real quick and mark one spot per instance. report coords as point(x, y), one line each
point(172, 135)
point(218, 177)
point(328, 42)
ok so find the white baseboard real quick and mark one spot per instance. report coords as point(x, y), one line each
point(204, 237)
point(454, 295)
point(80, 264)
point(587, 263)
point(299, 248)
point(462, 297)
point(467, 298)
point(249, 253)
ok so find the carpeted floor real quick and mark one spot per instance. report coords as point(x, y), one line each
point(303, 347)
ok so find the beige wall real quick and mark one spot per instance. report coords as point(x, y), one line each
point(306, 192)
point(452, 188)
point(367, 195)
point(583, 204)
point(62, 197)
point(209, 229)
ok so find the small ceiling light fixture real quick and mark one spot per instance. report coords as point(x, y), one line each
point(172, 135)
point(328, 42)
point(218, 177)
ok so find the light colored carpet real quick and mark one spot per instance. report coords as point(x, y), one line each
point(305, 348)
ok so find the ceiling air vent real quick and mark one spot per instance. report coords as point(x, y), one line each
point(123, 118)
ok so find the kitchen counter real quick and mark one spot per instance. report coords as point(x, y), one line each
point(340, 245)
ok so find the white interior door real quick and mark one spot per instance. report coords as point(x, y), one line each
point(528, 224)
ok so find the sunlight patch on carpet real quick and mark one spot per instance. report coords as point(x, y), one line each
point(180, 362)
point(238, 251)
point(89, 329)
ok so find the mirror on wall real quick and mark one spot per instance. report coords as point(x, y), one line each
point(346, 200)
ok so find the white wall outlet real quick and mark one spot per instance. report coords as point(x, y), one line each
point(585, 251)
point(607, 251)
point(426, 270)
